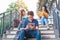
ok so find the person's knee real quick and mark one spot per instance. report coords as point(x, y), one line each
point(19, 26)
point(38, 34)
point(42, 17)
point(22, 32)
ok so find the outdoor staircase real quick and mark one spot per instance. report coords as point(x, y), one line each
point(45, 34)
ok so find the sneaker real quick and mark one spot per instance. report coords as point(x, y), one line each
point(48, 28)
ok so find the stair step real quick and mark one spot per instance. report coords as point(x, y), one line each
point(10, 36)
point(44, 28)
point(51, 39)
point(32, 39)
point(39, 29)
point(42, 32)
point(43, 39)
point(47, 31)
point(15, 28)
point(7, 39)
point(48, 36)
point(13, 32)
point(43, 36)
point(50, 25)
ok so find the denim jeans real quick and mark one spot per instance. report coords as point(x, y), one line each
point(44, 20)
point(19, 26)
point(30, 33)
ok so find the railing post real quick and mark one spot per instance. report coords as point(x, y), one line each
point(10, 18)
point(2, 30)
point(56, 17)
point(5, 18)
point(58, 23)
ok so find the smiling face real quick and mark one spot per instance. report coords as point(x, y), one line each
point(30, 17)
point(43, 8)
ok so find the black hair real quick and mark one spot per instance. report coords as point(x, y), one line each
point(31, 13)
point(45, 8)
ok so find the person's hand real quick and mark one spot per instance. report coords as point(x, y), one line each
point(27, 27)
point(37, 28)
point(22, 28)
point(20, 21)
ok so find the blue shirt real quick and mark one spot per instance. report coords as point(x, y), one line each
point(20, 24)
point(26, 22)
point(24, 18)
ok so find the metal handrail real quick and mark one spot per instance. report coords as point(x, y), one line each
point(6, 21)
point(56, 22)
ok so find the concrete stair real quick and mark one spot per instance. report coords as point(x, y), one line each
point(45, 34)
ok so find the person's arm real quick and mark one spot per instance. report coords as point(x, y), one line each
point(37, 25)
point(24, 25)
point(46, 15)
point(39, 14)
point(20, 18)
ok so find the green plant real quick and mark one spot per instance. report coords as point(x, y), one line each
point(13, 6)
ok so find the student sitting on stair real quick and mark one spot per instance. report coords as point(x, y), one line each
point(30, 28)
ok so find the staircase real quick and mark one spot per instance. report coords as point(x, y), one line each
point(45, 34)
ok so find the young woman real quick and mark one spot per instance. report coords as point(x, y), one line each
point(22, 18)
point(43, 15)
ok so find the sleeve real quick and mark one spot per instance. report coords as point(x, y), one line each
point(20, 18)
point(36, 23)
point(46, 15)
point(38, 14)
point(24, 24)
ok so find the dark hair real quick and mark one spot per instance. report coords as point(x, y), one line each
point(45, 8)
point(30, 13)
point(22, 12)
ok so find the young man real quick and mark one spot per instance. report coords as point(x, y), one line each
point(30, 28)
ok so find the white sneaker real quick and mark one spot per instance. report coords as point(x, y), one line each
point(48, 28)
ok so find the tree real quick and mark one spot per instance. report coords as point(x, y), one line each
point(17, 5)
point(13, 6)
point(40, 4)
point(44, 2)
point(22, 4)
